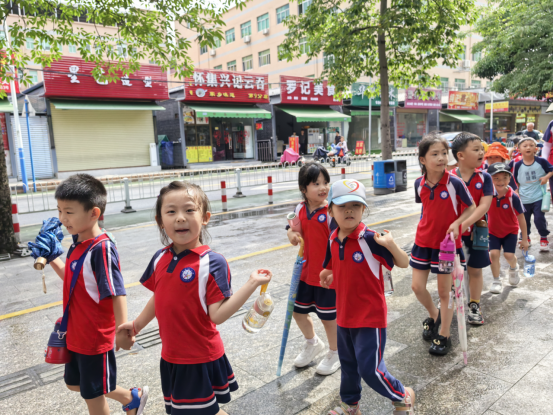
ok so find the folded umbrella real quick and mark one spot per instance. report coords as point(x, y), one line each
point(48, 242)
point(458, 275)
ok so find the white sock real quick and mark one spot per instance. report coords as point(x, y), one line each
point(333, 351)
point(513, 268)
point(312, 341)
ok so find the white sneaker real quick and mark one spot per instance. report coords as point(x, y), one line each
point(514, 278)
point(329, 365)
point(496, 287)
point(544, 246)
point(309, 353)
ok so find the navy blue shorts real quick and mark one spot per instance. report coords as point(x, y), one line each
point(96, 374)
point(428, 258)
point(477, 259)
point(196, 389)
point(319, 300)
point(509, 243)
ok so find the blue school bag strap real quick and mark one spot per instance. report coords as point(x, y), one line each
point(76, 272)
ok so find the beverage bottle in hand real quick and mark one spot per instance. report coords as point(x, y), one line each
point(260, 311)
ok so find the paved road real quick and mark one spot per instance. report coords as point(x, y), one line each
point(510, 357)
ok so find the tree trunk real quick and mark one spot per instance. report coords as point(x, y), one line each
point(8, 243)
point(384, 90)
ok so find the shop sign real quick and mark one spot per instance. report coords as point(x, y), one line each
point(259, 126)
point(412, 100)
point(293, 142)
point(359, 98)
point(531, 118)
point(526, 109)
point(461, 100)
point(521, 118)
point(221, 86)
point(498, 107)
point(296, 90)
point(72, 78)
point(359, 148)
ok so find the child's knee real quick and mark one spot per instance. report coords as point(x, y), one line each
point(494, 255)
point(509, 256)
point(443, 292)
point(74, 388)
point(299, 316)
point(418, 288)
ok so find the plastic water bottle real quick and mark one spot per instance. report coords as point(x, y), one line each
point(447, 255)
point(529, 265)
point(388, 283)
point(260, 311)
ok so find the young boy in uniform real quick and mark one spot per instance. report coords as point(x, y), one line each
point(506, 215)
point(468, 151)
point(98, 302)
point(498, 153)
point(531, 173)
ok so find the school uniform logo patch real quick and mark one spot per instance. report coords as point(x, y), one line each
point(478, 185)
point(187, 275)
point(321, 218)
point(505, 206)
point(358, 256)
point(73, 265)
point(444, 195)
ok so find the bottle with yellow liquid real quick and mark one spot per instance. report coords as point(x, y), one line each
point(260, 311)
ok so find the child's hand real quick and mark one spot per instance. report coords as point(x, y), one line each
point(294, 237)
point(385, 240)
point(524, 245)
point(543, 180)
point(454, 227)
point(261, 276)
point(326, 278)
point(124, 338)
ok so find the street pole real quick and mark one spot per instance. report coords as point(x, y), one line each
point(30, 145)
point(370, 118)
point(491, 113)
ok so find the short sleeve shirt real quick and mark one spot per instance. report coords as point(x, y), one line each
point(91, 324)
point(441, 206)
point(356, 264)
point(315, 228)
point(185, 285)
point(528, 179)
point(503, 214)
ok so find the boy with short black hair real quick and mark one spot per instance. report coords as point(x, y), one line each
point(98, 301)
point(468, 151)
point(531, 173)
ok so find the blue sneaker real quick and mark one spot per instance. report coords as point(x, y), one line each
point(138, 402)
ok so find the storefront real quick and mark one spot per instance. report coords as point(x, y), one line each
point(512, 116)
point(413, 119)
point(99, 127)
point(458, 116)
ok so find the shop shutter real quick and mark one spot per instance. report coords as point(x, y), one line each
point(42, 156)
point(102, 139)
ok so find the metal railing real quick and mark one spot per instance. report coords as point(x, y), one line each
point(146, 186)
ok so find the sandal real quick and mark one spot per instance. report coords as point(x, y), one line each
point(407, 405)
point(138, 402)
point(345, 409)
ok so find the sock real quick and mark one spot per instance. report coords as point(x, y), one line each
point(496, 278)
point(513, 268)
point(333, 351)
point(544, 238)
point(474, 301)
point(313, 341)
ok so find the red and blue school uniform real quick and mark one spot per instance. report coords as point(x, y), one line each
point(479, 185)
point(356, 264)
point(91, 324)
point(511, 165)
point(195, 373)
point(311, 297)
point(441, 206)
point(503, 221)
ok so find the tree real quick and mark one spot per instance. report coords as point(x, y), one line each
point(517, 47)
point(397, 41)
point(125, 33)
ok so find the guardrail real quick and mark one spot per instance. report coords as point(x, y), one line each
point(146, 186)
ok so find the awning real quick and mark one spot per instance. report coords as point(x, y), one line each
point(464, 117)
point(365, 113)
point(315, 114)
point(105, 105)
point(229, 111)
point(550, 108)
point(6, 106)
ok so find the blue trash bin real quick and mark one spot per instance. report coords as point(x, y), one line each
point(384, 177)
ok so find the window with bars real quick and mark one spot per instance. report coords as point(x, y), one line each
point(34, 77)
point(476, 83)
point(246, 29)
point(45, 46)
point(459, 84)
point(217, 43)
point(203, 49)
point(265, 57)
point(282, 13)
point(476, 56)
point(121, 50)
point(263, 22)
point(14, 8)
point(229, 36)
point(231, 66)
point(247, 63)
point(218, 67)
point(445, 84)
point(303, 5)
point(304, 46)
point(72, 48)
point(30, 43)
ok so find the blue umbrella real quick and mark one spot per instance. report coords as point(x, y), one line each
point(48, 242)
point(296, 274)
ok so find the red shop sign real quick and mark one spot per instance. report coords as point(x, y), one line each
point(296, 90)
point(222, 86)
point(73, 78)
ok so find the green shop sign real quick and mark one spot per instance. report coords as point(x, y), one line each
point(359, 98)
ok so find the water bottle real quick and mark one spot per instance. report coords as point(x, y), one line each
point(260, 311)
point(294, 221)
point(447, 255)
point(388, 283)
point(529, 265)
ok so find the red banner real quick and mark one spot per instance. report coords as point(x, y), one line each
point(461, 100)
point(73, 78)
point(359, 148)
point(4, 127)
point(222, 86)
point(294, 143)
point(296, 90)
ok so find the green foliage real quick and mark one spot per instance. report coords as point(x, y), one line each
point(517, 47)
point(138, 30)
point(419, 35)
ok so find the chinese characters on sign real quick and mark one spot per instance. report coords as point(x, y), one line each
point(359, 98)
point(498, 107)
point(296, 90)
point(460, 100)
point(221, 86)
point(412, 100)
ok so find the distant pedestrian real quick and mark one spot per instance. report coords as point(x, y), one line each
point(530, 132)
point(303, 142)
point(337, 138)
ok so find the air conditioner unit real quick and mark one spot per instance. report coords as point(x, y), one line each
point(466, 64)
point(247, 39)
point(212, 52)
point(266, 31)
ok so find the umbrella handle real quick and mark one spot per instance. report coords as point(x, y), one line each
point(302, 245)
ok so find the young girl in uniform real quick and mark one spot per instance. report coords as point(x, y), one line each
point(192, 294)
point(443, 197)
point(314, 183)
